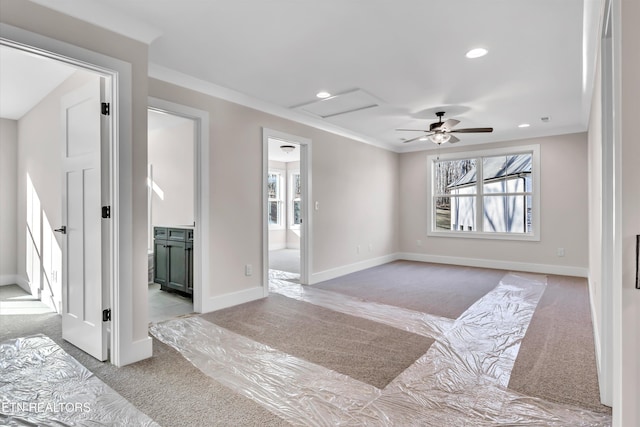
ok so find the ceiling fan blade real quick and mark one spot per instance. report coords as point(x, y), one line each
point(473, 130)
point(413, 130)
point(453, 139)
point(412, 139)
point(450, 123)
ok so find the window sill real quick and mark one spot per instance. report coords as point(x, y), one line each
point(487, 236)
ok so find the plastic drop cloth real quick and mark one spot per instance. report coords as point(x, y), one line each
point(42, 385)
point(409, 320)
point(461, 380)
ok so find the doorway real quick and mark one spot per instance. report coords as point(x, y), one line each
point(170, 206)
point(286, 196)
point(62, 173)
point(190, 126)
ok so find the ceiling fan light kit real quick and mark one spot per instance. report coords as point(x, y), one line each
point(440, 138)
point(440, 132)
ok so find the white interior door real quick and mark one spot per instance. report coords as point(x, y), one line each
point(82, 267)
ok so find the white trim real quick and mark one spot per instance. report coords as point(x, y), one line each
point(180, 79)
point(15, 279)
point(202, 195)
point(352, 268)
point(307, 211)
point(137, 350)
point(534, 149)
point(610, 210)
point(438, 259)
point(563, 270)
point(232, 298)
point(613, 324)
point(121, 277)
point(596, 335)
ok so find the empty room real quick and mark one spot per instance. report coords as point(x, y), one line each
point(410, 213)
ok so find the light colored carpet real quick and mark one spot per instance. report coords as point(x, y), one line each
point(557, 360)
point(438, 289)
point(166, 387)
point(362, 349)
point(285, 260)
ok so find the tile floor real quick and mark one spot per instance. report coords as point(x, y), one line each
point(166, 305)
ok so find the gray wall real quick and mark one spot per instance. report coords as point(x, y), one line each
point(563, 163)
point(355, 184)
point(171, 154)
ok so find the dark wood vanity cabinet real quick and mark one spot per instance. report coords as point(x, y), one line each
point(173, 259)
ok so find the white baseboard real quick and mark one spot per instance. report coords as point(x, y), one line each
point(351, 268)
point(136, 351)
point(605, 394)
point(502, 265)
point(15, 279)
point(277, 247)
point(234, 298)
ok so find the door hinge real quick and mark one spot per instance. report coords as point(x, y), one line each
point(106, 315)
point(106, 212)
point(106, 109)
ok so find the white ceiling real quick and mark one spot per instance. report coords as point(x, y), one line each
point(26, 79)
point(407, 55)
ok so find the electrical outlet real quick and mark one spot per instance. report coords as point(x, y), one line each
point(418, 243)
point(358, 249)
point(370, 247)
point(560, 252)
point(248, 270)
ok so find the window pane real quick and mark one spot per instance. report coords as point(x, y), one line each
point(273, 185)
point(507, 174)
point(455, 177)
point(297, 215)
point(296, 186)
point(507, 214)
point(455, 213)
point(274, 213)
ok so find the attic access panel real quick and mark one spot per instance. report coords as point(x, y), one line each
point(343, 103)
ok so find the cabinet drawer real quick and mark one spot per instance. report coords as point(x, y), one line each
point(159, 233)
point(177, 234)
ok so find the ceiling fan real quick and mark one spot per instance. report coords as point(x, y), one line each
point(440, 132)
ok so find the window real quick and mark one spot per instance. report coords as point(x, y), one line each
point(274, 190)
point(490, 194)
point(295, 214)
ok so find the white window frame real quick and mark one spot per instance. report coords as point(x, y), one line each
point(279, 199)
point(291, 199)
point(534, 150)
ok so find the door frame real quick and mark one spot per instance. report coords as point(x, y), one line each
point(201, 197)
point(305, 172)
point(118, 246)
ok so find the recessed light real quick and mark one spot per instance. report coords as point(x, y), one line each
point(524, 125)
point(476, 53)
point(323, 94)
point(424, 138)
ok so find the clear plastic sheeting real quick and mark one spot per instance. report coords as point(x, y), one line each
point(461, 380)
point(299, 391)
point(408, 320)
point(42, 385)
point(283, 275)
